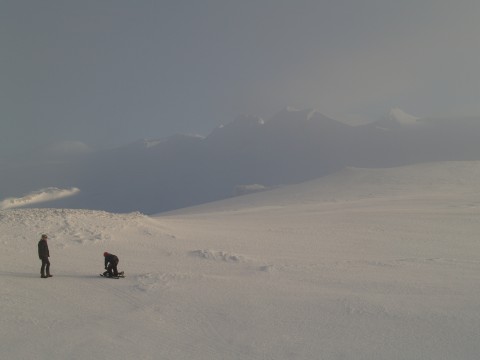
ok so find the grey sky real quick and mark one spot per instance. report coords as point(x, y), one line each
point(110, 72)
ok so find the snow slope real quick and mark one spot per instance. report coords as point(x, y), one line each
point(362, 264)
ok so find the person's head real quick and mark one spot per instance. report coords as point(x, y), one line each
point(44, 237)
point(105, 254)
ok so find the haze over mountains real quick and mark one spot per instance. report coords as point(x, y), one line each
point(293, 146)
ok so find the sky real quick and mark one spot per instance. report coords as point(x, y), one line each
point(110, 72)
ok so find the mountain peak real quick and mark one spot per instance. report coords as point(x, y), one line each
point(400, 116)
point(396, 119)
point(248, 120)
point(291, 112)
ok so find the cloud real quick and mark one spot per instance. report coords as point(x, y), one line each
point(68, 148)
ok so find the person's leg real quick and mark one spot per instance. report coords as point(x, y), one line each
point(115, 270)
point(42, 269)
point(109, 269)
point(45, 265)
point(47, 268)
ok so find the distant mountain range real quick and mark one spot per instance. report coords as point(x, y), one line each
point(249, 153)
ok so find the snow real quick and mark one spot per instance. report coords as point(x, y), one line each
point(39, 196)
point(398, 119)
point(361, 264)
point(402, 117)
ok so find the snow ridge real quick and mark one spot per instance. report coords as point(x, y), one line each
point(43, 195)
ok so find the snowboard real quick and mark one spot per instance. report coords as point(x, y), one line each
point(121, 274)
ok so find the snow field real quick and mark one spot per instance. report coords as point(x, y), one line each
point(313, 271)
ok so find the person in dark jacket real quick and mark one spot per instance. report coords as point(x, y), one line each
point(44, 254)
point(111, 262)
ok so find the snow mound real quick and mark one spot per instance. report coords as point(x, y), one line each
point(65, 226)
point(271, 269)
point(43, 195)
point(219, 256)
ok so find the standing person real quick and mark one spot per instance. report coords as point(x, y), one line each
point(111, 262)
point(44, 254)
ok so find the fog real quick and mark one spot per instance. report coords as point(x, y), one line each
point(108, 73)
point(248, 154)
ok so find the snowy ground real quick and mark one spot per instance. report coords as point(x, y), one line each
point(363, 264)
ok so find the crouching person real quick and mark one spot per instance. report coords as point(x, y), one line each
point(111, 262)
